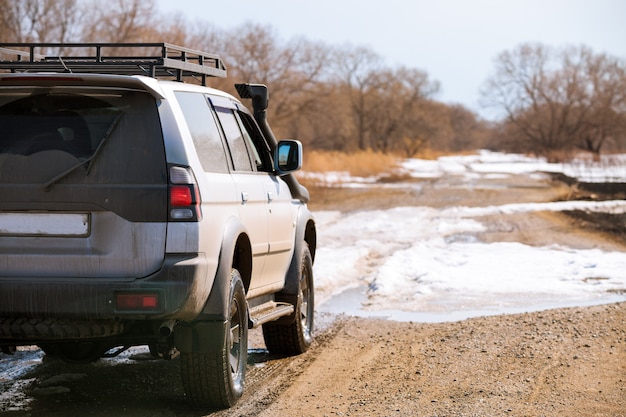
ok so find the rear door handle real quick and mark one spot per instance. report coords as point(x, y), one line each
point(244, 197)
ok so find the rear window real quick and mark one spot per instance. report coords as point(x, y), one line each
point(111, 135)
point(204, 132)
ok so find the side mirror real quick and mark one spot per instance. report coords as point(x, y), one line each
point(288, 156)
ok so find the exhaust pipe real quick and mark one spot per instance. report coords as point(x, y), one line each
point(167, 328)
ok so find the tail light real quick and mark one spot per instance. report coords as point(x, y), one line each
point(184, 198)
point(148, 301)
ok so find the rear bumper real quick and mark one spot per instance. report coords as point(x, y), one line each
point(182, 286)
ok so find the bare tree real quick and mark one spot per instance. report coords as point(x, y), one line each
point(606, 119)
point(328, 122)
point(120, 20)
point(469, 132)
point(358, 70)
point(40, 20)
point(558, 100)
point(8, 31)
point(294, 71)
point(399, 101)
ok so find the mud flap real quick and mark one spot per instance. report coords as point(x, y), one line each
point(204, 336)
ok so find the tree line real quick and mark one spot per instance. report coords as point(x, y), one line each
point(560, 100)
point(344, 97)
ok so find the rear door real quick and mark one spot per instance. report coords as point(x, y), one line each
point(83, 182)
point(252, 206)
point(280, 207)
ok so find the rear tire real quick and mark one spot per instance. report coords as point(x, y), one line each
point(295, 335)
point(216, 379)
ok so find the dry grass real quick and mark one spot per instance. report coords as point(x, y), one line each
point(362, 163)
point(358, 164)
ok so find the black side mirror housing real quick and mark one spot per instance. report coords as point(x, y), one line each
point(288, 156)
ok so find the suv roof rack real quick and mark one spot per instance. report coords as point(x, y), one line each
point(151, 59)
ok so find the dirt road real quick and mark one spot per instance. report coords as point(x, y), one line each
point(557, 363)
point(565, 362)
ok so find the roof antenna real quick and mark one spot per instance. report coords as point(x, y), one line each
point(64, 66)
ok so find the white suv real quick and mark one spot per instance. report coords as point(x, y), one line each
point(141, 211)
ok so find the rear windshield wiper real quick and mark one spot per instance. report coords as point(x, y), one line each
point(107, 134)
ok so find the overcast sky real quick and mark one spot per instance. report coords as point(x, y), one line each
point(454, 41)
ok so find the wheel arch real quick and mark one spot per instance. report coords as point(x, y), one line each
point(306, 234)
point(236, 252)
point(310, 236)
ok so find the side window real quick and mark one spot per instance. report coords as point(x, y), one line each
point(256, 142)
point(204, 131)
point(235, 139)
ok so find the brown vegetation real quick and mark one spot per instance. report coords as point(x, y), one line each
point(360, 163)
point(560, 101)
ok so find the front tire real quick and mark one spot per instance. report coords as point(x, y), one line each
point(295, 335)
point(216, 379)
